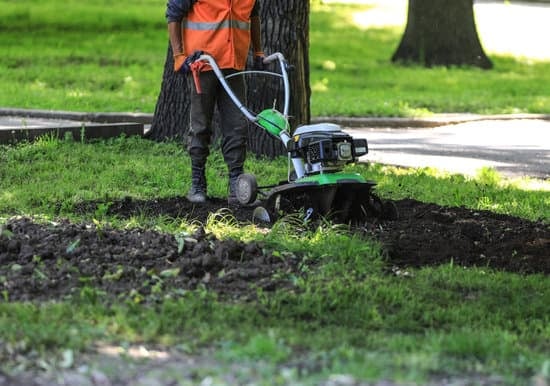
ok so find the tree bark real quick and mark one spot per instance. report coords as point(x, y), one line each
point(285, 28)
point(441, 32)
point(171, 117)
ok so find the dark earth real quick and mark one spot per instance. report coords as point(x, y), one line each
point(64, 260)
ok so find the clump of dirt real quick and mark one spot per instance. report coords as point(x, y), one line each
point(60, 260)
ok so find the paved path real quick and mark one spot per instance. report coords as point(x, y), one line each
point(10, 123)
point(17, 128)
point(518, 147)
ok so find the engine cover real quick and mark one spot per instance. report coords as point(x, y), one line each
point(325, 146)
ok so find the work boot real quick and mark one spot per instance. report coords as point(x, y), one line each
point(197, 192)
point(232, 195)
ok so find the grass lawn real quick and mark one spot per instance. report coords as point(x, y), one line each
point(347, 315)
point(93, 57)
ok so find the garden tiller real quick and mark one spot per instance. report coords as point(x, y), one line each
point(316, 183)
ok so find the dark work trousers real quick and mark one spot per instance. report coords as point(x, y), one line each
point(234, 126)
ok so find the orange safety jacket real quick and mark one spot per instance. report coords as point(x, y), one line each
point(220, 28)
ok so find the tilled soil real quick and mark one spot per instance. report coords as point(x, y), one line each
point(60, 260)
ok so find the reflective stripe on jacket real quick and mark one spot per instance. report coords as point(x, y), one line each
point(220, 28)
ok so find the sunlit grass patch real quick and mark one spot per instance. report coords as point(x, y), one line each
point(486, 191)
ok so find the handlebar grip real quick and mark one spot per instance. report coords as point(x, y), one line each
point(273, 57)
point(207, 58)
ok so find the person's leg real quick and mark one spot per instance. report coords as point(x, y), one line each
point(200, 132)
point(234, 128)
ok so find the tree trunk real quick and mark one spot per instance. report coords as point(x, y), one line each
point(441, 32)
point(285, 28)
point(171, 117)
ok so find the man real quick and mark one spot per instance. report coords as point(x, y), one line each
point(224, 29)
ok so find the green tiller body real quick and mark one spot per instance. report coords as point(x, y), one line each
point(316, 184)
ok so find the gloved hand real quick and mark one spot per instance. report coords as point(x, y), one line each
point(182, 63)
point(258, 64)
